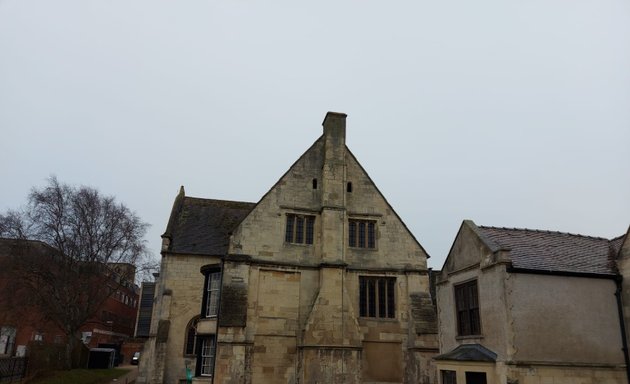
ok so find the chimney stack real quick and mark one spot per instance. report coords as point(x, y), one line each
point(335, 128)
point(333, 172)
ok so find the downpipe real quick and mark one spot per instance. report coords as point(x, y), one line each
point(622, 326)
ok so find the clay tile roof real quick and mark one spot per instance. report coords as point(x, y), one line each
point(554, 251)
point(203, 226)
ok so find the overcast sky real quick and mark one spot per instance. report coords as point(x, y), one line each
point(508, 112)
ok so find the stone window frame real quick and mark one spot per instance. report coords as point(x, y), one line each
point(190, 337)
point(206, 355)
point(466, 297)
point(377, 297)
point(211, 290)
point(362, 233)
point(299, 229)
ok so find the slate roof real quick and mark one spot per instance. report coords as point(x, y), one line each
point(469, 352)
point(203, 226)
point(553, 251)
point(616, 243)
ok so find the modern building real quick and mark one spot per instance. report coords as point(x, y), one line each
point(320, 281)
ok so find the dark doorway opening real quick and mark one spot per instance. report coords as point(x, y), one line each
point(476, 378)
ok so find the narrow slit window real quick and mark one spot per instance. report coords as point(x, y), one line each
point(352, 233)
point(310, 224)
point(299, 229)
point(349, 187)
point(314, 183)
point(372, 298)
point(370, 235)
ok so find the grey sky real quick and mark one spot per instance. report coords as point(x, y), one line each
point(508, 112)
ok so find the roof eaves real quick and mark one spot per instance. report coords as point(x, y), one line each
point(388, 204)
point(469, 352)
point(279, 180)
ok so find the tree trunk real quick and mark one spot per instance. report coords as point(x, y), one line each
point(70, 347)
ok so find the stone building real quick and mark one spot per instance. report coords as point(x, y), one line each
point(530, 307)
point(318, 282)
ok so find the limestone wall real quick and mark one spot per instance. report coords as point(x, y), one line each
point(565, 319)
point(180, 276)
point(496, 330)
point(541, 374)
point(303, 322)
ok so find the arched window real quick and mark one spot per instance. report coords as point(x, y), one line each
point(190, 343)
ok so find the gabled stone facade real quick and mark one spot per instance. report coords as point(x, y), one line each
point(522, 306)
point(321, 282)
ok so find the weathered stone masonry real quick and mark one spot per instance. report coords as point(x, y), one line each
point(349, 305)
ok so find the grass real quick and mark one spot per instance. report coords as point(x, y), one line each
point(80, 376)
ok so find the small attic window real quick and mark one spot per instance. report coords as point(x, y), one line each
point(314, 183)
point(349, 187)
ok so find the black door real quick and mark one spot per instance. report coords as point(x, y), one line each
point(476, 378)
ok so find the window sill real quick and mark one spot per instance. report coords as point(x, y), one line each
point(469, 337)
point(379, 319)
point(362, 248)
point(202, 379)
point(298, 244)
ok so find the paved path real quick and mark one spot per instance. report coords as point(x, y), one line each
point(129, 377)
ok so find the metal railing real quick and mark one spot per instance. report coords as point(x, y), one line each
point(12, 369)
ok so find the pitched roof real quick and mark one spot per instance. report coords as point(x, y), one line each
point(10, 246)
point(203, 226)
point(553, 251)
point(616, 244)
point(469, 352)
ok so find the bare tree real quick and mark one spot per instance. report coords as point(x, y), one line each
point(86, 232)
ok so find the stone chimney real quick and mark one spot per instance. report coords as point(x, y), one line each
point(332, 339)
point(334, 159)
point(335, 126)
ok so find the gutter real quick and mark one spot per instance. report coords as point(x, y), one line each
point(561, 273)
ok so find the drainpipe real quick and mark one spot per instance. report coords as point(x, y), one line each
point(622, 326)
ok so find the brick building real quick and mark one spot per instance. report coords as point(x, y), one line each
point(318, 282)
point(113, 322)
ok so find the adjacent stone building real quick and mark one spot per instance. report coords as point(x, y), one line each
point(318, 282)
point(531, 307)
